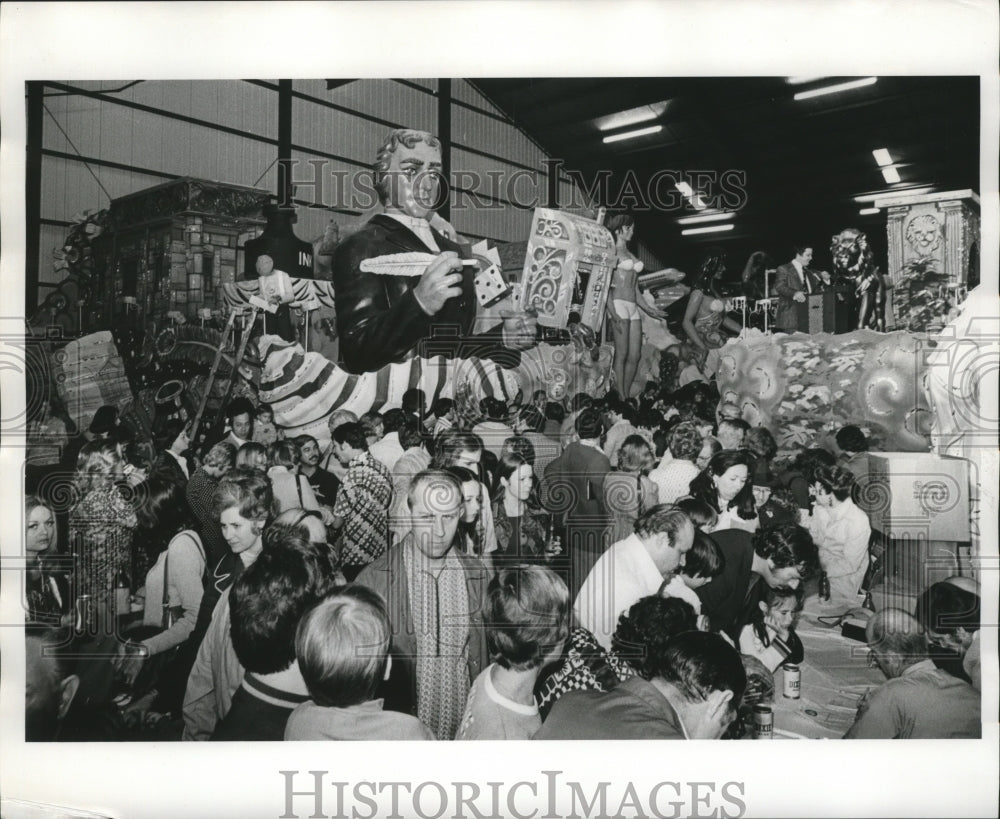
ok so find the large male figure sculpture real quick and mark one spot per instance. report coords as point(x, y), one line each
point(385, 317)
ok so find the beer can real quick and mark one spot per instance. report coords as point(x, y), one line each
point(763, 722)
point(793, 681)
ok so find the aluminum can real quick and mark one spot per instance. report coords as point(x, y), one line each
point(763, 722)
point(793, 681)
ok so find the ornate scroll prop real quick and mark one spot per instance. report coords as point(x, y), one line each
point(568, 265)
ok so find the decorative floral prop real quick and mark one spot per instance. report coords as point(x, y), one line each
point(921, 295)
point(805, 387)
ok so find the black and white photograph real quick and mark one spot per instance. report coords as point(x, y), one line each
point(514, 372)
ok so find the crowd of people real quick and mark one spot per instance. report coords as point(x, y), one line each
point(599, 568)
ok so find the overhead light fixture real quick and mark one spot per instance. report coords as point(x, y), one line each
point(684, 188)
point(803, 80)
point(882, 157)
point(871, 197)
point(631, 116)
point(705, 217)
point(833, 89)
point(707, 229)
point(890, 175)
point(638, 132)
point(869, 211)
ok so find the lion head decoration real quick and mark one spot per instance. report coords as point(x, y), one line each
point(924, 234)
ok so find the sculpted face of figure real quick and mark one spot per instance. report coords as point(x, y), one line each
point(414, 180)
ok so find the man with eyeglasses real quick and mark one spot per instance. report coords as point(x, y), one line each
point(918, 700)
point(386, 314)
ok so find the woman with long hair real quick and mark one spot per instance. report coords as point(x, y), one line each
point(624, 303)
point(470, 525)
point(46, 588)
point(725, 486)
point(521, 524)
point(705, 316)
point(101, 524)
point(628, 490)
point(173, 587)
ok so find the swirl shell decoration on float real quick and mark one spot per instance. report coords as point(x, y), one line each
point(804, 387)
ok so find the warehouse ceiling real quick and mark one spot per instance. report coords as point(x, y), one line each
point(788, 169)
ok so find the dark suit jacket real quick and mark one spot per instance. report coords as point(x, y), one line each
point(724, 598)
point(786, 284)
point(378, 318)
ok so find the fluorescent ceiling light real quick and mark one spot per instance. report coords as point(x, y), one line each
point(891, 175)
point(833, 89)
point(684, 188)
point(705, 217)
point(652, 129)
point(882, 156)
point(869, 211)
point(708, 229)
point(802, 80)
point(871, 197)
point(633, 116)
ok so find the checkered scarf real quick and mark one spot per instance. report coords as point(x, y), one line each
point(439, 603)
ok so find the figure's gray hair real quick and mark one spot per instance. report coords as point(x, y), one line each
point(404, 136)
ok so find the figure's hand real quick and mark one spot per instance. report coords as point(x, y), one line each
point(441, 281)
point(799, 296)
point(520, 329)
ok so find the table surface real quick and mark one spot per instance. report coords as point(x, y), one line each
point(835, 676)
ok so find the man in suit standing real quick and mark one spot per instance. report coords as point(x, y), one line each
point(385, 314)
point(573, 490)
point(793, 282)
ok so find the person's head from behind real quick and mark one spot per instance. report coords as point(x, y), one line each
point(761, 443)
point(686, 442)
point(457, 448)
point(668, 534)
point(340, 416)
point(850, 439)
point(731, 432)
point(373, 426)
point(436, 507)
point(414, 402)
point(831, 485)
point(240, 415)
point(171, 434)
point(555, 412)
point(520, 446)
point(710, 447)
point(219, 459)
point(285, 453)
point(643, 631)
point(304, 523)
point(706, 679)
point(529, 419)
point(342, 647)
point(703, 562)
point(781, 606)
point(410, 436)
point(244, 503)
point(493, 409)
point(703, 516)
point(896, 640)
point(788, 554)
point(270, 597)
point(39, 525)
point(50, 681)
point(161, 506)
point(809, 460)
point(393, 420)
point(636, 455)
point(349, 441)
point(950, 615)
point(588, 424)
point(98, 465)
point(527, 617)
point(251, 455)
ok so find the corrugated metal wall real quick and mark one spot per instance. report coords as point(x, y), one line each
point(226, 130)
